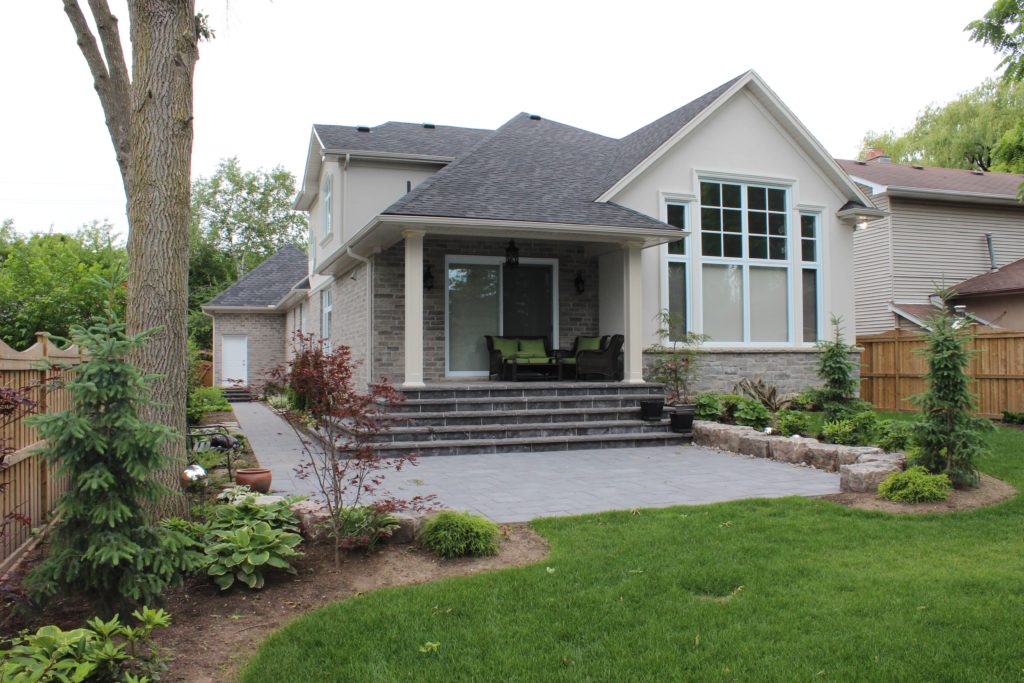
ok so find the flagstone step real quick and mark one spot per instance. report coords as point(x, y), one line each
point(528, 416)
point(512, 431)
point(529, 444)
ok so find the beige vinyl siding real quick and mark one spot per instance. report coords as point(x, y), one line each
point(873, 273)
point(943, 243)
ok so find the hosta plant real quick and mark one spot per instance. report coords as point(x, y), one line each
point(244, 554)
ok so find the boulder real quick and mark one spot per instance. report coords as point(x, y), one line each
point(706, 433)
point(755, 444)
point(313, 519)
point(409, 525)
point(729, 438)
point(864, 477)
point(891, 458)
point(268, 500)
point(791, 449)
point(823, 456)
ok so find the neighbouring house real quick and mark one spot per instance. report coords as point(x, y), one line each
point(424, 238)
point(943, 227)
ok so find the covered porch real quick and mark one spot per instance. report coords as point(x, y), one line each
point(456, 290)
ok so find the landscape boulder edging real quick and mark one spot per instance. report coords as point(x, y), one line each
point(861, 468)
point(313, 522)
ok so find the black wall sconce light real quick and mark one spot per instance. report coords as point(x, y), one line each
point(511, 254)
point(428, 278)
point(580, 284)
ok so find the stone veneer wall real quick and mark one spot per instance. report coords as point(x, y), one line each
point(578, 313)
point(791, 370)
point(266, 334)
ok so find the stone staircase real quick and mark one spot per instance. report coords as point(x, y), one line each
point(498, 417)
point(237, 394)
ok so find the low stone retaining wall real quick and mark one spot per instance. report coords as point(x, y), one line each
point(861, 468)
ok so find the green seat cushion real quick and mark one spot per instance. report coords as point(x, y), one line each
point(532, 348)
point(568, 361)
point(533, 361)
point(508, 347)
point(588, 344)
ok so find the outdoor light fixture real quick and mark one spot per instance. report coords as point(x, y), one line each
point(511, 254)
point(580, 284)
point(428, 278)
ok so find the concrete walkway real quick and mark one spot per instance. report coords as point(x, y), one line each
point(516, 487)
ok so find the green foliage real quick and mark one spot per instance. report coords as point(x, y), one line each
point(101, 651)
point(839, 431)
point(102, 545)
point(244, 553)
point(751, 413)
point(708, 406)
point(865, 427)
point(808, 399)
point(675, 363)
point(49, 282)
point(915, 485)
point(895, 435)
point(790, 422)
point(202, 400)
point(1002, 28)
point(964, 133)
point(245, 511)
point(835, 369)
point(457, 534)
point(1011, 417)
point(948, 434)
point(766, 394)
point(364, 526)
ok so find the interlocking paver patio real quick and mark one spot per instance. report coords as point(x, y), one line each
point(516, 487)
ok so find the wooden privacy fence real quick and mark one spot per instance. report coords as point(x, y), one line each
point(31, 487)
point(892, 370)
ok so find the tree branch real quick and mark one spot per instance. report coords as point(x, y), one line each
point(110, 77)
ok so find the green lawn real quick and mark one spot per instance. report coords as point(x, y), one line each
point(780, 590)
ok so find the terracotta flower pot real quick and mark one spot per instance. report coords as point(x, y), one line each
point(256, 478)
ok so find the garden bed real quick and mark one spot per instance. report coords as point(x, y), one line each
point(213, 633)
point(989, 492)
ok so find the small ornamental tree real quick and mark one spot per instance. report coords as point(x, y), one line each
point(839, 387)
point(103, 546)
point(16, 403)
point(676, 359)
point(345, 423)
point(948, 434)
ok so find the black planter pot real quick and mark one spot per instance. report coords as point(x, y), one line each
point(651, 410)
point(682, 419)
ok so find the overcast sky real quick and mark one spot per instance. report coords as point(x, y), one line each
point(275, 68)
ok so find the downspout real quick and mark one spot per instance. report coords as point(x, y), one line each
point(344, 195)
point(369, 310)
point(991, 252)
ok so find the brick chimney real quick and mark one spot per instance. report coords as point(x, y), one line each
point(878, 155)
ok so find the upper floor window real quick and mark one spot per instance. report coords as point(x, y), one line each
point(743, 221)
point(326, 201)
point(677, 284)
point(810, 276)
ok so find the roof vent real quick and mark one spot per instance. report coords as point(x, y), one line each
point(861, 163)
point(429, 126)
point(919, 168)
point(363, 129)
point(534, 117)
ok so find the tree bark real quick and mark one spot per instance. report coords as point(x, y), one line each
point(163, 36)
point(149, 118)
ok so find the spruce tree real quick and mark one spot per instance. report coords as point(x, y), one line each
point(948, 434)
point(839, 387)
point(103, 546)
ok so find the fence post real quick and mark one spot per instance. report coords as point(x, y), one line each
point(898, 403)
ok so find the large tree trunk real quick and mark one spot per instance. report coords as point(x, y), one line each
point(163, 36)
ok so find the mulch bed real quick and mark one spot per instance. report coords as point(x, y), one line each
point(990, 492)
point(213, 633)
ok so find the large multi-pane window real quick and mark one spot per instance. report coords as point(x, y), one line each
point(677, 265)
point(745, 262)
point(810, 276)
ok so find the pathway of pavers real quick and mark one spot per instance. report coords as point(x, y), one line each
point(516, 487)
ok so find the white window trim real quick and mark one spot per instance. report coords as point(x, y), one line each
point(326, 316)
point(686, 200)
point(816, 265)
point(745, 261)
point(496, 260)
point(327, 204)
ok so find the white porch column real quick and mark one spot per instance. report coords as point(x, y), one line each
point(413, 309)
point(633, 371)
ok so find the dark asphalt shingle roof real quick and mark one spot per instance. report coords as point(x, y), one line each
point(934, 178)
point(402, 138)
point(544, 171)
point(1009, 278)
point(267, 283)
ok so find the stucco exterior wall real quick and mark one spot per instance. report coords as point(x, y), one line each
point(578, 313)
point(742, 141)
point(1005, 310)
point(266, 333)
